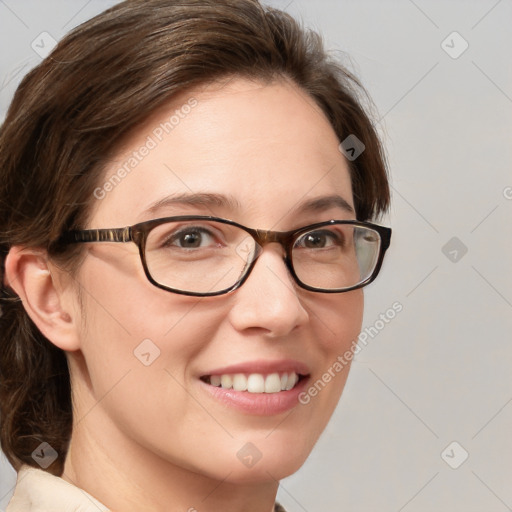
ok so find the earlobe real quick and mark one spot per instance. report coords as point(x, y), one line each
point(28, 273)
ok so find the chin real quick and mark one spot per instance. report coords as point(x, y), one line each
point(269, 457)
point(265, 470)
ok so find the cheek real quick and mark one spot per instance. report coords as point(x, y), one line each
point(130, 326)
point(338, 321)
point(338, 318)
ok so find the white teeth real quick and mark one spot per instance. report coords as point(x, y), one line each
point(256, 382)
point(273, 383)
point(292, 380)
point(240, 382)
point(226, 381)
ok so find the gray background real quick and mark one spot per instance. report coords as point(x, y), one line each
point(439, 372)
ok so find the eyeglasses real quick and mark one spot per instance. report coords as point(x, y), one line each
point(205, 256)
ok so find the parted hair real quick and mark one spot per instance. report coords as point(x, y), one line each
point(68, 117)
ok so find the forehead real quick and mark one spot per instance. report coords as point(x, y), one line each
point(267, 146)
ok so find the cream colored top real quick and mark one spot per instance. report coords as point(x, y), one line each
point(39, 491)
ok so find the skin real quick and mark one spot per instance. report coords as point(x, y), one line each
point(147, 437)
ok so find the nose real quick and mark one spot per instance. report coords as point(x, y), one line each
point(268, 300)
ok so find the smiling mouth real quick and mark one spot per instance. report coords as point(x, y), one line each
point(255, 382)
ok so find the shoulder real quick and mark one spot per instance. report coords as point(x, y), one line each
point(38, 491)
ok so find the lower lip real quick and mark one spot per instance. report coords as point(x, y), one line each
point(261, 404)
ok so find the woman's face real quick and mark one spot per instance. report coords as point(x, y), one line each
point(146, 353)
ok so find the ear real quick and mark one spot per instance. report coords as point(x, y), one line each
point(46, 300)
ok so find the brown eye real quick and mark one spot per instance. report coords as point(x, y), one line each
point(318, 240)
point(190, 238)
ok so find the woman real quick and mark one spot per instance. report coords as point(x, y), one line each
point(186, 196)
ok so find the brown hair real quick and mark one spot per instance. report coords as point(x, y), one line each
point(69, 115)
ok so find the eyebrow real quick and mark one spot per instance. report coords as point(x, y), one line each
point(205, 199)
point(229, 202)
point(325, 203)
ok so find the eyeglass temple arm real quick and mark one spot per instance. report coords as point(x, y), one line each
point(99, 235)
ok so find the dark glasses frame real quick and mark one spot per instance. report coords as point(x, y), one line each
point(138, 233)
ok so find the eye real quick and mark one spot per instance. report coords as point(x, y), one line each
point(191, 238)
point(319, 240)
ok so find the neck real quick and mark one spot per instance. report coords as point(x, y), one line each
point(127, 477)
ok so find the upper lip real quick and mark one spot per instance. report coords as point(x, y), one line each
point(263, 367)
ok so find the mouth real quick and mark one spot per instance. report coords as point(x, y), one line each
point(255, 382)
point(259, 387)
